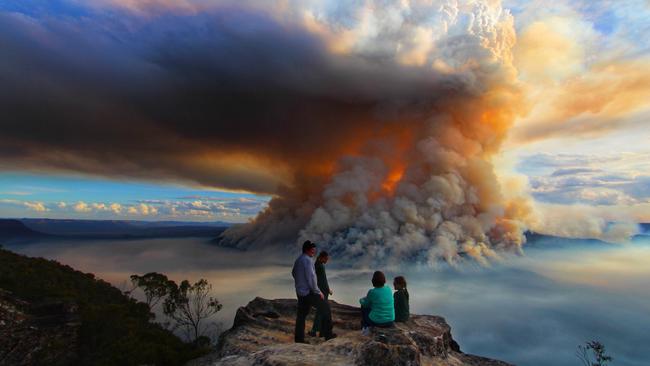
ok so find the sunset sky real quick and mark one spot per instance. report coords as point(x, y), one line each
point(204, 110)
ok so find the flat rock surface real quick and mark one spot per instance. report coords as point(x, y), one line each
point(262, 334)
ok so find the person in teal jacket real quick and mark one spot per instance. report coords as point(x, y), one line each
point(377, 308)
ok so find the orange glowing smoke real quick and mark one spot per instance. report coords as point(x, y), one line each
point(407, 171)
point(392, 179)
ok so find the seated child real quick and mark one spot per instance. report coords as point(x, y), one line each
point(401, 299)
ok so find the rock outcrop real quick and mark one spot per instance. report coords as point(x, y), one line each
point(43, 334)
point(262, 334)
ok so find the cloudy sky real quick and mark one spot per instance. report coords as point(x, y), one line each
point(204, 110)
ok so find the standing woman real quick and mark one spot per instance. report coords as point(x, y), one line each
point(401, 298)
point(323, 286)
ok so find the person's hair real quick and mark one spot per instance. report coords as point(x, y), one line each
point(323, 254)
point(307, 245)
point(378, 279)
point(400, 281)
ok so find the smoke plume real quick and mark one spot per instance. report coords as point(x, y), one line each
point(420, 183)
point(373, 126)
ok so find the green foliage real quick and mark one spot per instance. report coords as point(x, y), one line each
point(155, 286)
point(190, 306)
point(115, 329)
point(593, 354)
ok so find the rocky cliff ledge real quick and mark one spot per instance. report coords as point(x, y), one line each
point(262, 334)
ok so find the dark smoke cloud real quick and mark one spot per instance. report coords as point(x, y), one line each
point(366, 151)
point(192, 98)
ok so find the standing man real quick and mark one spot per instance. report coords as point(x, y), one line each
point(323, 286)
point(309, 295)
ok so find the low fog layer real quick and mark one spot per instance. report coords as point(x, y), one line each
point(530, 310)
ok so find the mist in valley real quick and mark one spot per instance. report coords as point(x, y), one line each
point(528, 309)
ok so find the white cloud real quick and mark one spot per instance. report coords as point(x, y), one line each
point(36, 206)
point(29, 205)
point(99, 206)
point(605, 196)
point(147, 210)
point(17, 193)
point(605, 179)
point(609, 223)
point(82, 206)
point(116, 208)
point(204, 206)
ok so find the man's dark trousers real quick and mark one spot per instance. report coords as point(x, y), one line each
point(304, 305)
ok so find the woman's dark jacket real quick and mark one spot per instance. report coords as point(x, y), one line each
point(401, 299)
point(321, 278)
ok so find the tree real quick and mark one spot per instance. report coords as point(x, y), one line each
point(155, 286)
point(593, 354)
point(114, 329)
point(190, 306)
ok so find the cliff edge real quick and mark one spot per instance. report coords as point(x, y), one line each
point(262, 334)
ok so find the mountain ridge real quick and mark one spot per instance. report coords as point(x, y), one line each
point(29, 229)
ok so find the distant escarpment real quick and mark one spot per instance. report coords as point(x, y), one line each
point(13, 229)
point(18, 231)
point(262, 334)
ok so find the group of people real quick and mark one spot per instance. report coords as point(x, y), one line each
point(379, 308)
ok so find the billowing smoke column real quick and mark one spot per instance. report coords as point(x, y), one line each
point(431, 193)
point(373, 125)
point(420, 184)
